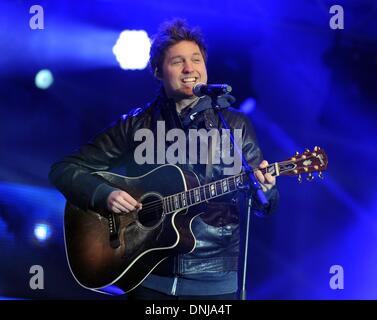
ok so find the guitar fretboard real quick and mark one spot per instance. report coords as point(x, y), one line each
point(211, 190)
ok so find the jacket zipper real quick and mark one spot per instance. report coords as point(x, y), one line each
point(174, 287)
point(176, 273)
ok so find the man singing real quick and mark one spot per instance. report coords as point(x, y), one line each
point(178, 59)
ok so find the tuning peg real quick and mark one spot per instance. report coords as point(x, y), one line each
point(310, 177)
point(307, 150)
point(320, 175)
point(299, 178)
point(316, 148)
point(297, 153)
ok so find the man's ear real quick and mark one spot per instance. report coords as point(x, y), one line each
point(157, 74)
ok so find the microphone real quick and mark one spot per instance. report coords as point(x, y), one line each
point(202, 89)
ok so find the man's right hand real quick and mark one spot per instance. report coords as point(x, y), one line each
point(121, 202)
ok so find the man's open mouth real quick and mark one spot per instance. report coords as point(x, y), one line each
point(190, 80)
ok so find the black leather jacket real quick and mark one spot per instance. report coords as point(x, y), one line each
point(217, 231)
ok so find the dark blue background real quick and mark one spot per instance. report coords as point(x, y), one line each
point(312, 86)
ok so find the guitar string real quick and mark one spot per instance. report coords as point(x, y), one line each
point(158, 204)
point(153, 205)
point(206, 188)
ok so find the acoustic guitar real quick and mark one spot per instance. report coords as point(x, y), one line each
point(113, 253)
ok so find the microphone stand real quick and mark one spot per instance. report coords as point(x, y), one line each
point(253, 188)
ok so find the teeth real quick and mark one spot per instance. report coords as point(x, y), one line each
point(189, 80)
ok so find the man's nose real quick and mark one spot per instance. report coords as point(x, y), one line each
point(188, 67)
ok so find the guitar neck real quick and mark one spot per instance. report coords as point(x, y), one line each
point(307, 162)
point(213, 190)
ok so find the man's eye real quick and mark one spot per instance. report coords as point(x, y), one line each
point(177, 62)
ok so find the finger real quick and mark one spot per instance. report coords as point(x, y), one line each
point(125, 204)
point(120, 207)
point(126, 196)
point(259, 176)
point(264, 187)
point(136, 204)
point(139, 206)
point(115, 210)
point(263, 164)
point(129, 207)
point(269, 178)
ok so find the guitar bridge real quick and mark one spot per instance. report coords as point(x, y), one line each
point(113, 231)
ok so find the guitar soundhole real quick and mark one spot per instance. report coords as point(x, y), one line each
point(152, 213)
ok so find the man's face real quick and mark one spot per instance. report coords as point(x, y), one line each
point(183, 67)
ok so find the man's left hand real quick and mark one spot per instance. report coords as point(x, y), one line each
point(267, 181)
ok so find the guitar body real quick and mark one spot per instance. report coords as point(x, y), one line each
point(114, 253)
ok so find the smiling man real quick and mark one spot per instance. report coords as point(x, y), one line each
point(183, 67)
point(178, 59)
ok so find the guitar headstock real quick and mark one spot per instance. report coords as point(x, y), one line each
point(306, 162)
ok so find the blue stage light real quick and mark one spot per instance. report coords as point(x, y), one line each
point(248, 106)
point(44, 79)
point(42, 231)
point(132, 49)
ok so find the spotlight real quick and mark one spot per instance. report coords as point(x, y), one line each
point(248, 106)
point(44, 79)
point(132, 49)
point(42, 231)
